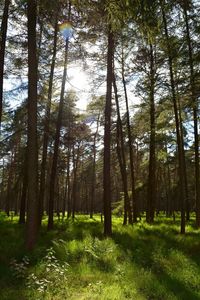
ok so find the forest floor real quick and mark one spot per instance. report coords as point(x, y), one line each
point(75, 262)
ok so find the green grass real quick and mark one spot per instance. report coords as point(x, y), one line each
point(74, 261)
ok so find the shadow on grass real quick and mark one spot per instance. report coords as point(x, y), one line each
point(142, 249)
point(12, 246)
point(139, 243)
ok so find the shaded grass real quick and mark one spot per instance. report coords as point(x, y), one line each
point(139, 262)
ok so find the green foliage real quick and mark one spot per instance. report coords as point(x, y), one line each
point(48, 277)
point(75, 262)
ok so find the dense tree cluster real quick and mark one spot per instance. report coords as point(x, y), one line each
point(136, 147)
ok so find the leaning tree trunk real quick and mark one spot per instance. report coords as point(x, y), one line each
point(122, 159)
point(3, 34)
point(32, 205)
point(195, 117)
point(107, 138)
point(46, 127)
point(130, 141)
point(57, 137)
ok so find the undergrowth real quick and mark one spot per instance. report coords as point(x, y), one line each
point(75, 261)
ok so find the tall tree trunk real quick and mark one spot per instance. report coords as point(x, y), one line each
point(122, 158)
point(74, 187)
point(24, 192)
point(107, 138)
point(187, 206)
point(46, 127)
point(56, 145)
point(151, 189)
point(57, 136)
point(3, 34)
point(32, 205)
point(9, 186)
point(130, 142)
point(178, 135)
point(195, 117)
point(69, 209)
point(93, 192)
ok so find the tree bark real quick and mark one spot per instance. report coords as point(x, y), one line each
point(195, 117)
point(93, 192)
point(3, 34)
point(130, 142)
point(74, 187)
point(32, 205)
point(57, 137)
point(151, 189)
point(178, 135)
point(122, 159)
point(24, 192)
point(46, 127)
point(69, 208)
point(107, 138)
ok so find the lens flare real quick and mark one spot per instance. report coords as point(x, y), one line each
point(66, 30)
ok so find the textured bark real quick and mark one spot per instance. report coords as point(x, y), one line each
point(74, 187)
point(107, 138)
point(24, 192)
point(69, 208)
point(93, 192)
point(122, 159)
point(57, 137)
point(32, 205)
point(9, 186)
point(46, 128)
point(151, 189)
point(178, 134)
point(130, 144)
point(3, 34)
point(195, 118)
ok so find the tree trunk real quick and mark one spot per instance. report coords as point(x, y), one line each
point(74, 188)
point(9, 186)
point(93, 192)
point(32, 205)
point(195, 117)
point(122, 159)
point(69, 209)
point(57, 137)
point(107, 138)
point(178, 135)
point(46, 128)
point(151, 189)
point(3, 35)
point(130, 142)
point(24, 192)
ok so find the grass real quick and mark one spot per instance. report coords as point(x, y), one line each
point(75, 262)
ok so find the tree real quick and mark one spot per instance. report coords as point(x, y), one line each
point(179, 137)
point(151, 191)
point(3, 34)
point(107, 136)
point(47, 124)
point(32, 206)
point(122, 158)
point(57, 135)
point(194, 108)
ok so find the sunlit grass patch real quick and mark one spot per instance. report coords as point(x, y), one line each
point(75, 261)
